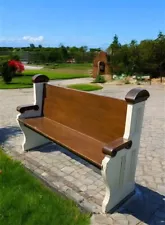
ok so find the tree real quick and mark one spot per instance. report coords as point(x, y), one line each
point(32, 46)
point(113, 51)
point(114, 46)
point(134, 58)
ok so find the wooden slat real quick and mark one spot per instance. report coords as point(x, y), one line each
point(81, 144)
point(100, 117)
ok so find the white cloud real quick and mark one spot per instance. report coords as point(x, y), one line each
point(33, 39)
point(29, 39)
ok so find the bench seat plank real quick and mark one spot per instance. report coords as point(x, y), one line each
point(79, 143)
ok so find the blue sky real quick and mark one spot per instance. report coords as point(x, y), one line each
point(86, 22)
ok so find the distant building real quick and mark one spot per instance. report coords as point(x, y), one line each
point(71, 60)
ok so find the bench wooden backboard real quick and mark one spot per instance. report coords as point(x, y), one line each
point(100, 117)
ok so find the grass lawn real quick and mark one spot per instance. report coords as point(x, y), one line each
point(55, 74)
point(75, 66)
point(85, 87)
point(26, 80)
point(17, 82)
point(24, 200)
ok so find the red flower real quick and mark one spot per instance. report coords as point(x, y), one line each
point(17, 65)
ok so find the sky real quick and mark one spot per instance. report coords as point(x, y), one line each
point(78, 23)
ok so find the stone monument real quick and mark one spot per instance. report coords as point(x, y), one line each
point(101, 66)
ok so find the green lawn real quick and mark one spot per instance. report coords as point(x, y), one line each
point(24, 200)
point(76, 66)
point(26, 80)
point(17, 82)
point(56, 74)
point(85, 87)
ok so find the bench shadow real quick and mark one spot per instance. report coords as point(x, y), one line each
point(144, 205)
point(8, 132)
point(52, 147)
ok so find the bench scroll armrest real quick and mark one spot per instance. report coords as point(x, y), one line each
point(24, 108)
point(115, 146)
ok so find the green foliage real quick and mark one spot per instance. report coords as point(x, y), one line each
point(15, 57)
point(43, 55)
point(144, 57)
point(99, 79)
point(3, 59)
point(85, 87)
point(32, 45)
point(25, 200)
point(57, 74)
point(7, 73)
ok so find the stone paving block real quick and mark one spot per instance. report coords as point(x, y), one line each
point(58, 184)
point(69, 178)
point(88, 181)
point(123, 222)
point(83, 188)
point(99, 183)
point(161, 189)
point(118, 217)
point(92, 187)
point(44, 174)
point(132, 220)
point(59, 166)
point(67, 169)
point(101, 220)
point(158, 180)
point(78, 183)
point(152, 185)
point(39, 171)
point(148, 178)
point(91, 193)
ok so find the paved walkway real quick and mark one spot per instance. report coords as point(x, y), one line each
point(29, 67)
point(85, 80)
point(83, 182)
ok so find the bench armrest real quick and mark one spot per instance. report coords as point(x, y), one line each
point(24, 108)
point(115, 146)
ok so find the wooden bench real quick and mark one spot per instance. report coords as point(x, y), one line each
point(103, 130)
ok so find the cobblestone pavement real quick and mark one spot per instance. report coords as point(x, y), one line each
point(79, 180)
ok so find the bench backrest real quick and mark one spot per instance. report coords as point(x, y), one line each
point(100, 117)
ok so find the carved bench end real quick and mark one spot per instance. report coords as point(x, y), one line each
point(137, 95)
point(39, 78)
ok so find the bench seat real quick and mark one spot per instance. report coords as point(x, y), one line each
point(79, 143)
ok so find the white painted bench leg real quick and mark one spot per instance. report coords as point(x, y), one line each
point(118, 180)
point(31, 138)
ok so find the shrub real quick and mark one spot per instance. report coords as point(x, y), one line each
point(10, 68)
point(99, 79)
point(16, 66)
point(127, 81)
point(7, 73)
